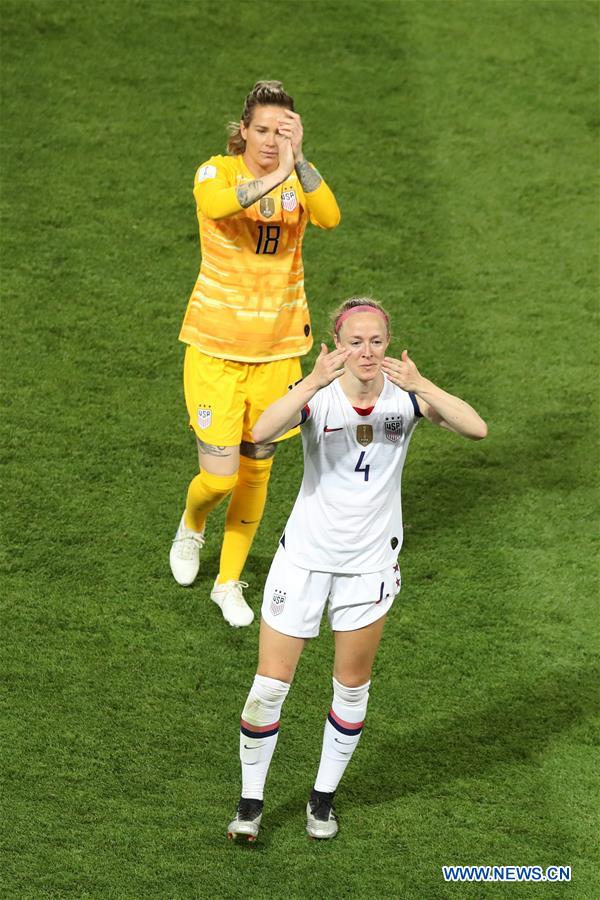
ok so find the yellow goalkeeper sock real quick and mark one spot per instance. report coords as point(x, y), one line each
point(204, 493)
point(243, 516)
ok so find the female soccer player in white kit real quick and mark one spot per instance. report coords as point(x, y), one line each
point(358, 409)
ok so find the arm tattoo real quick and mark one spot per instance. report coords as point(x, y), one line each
point(213, 450)
point(248, 194)
point(309, 177)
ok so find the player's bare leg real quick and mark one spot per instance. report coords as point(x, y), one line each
point(355, 653)
point(278, 654)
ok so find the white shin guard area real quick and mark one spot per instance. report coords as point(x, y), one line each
point(259, 729)
point(342, 732)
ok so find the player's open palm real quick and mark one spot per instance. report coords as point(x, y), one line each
point(329, 366)
point(402, 372)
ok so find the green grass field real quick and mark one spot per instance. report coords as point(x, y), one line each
point(461, 139)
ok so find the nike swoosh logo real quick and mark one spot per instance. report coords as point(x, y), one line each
point(345, 743)
point(329, 430)
point(246, 747)
point(251, 522)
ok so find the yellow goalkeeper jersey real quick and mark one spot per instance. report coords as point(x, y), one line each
point(248, 303)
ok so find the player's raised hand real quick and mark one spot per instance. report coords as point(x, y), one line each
point(402, 372)
point(290, 126)
point(329, 366)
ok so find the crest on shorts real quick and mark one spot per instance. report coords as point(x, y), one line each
point(393, 428)
point(204, 416)
point(289, 201)
point(267, 207)
point(278, 602)
point(364, 434)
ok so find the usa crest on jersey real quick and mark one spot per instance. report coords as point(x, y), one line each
point(204, 417)
point(289, 201)
point(393, 428)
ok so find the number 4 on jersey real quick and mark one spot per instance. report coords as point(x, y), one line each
point(365, 469)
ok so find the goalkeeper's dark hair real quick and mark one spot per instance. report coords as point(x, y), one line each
point(350, 304)
point(264, 93)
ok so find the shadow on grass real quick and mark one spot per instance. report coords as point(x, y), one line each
point(514, 729)
point(492, 498)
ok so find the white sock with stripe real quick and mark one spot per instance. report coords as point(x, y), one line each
point(342, 732)
point(259, 729)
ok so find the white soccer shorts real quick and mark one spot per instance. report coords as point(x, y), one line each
point(294, 598)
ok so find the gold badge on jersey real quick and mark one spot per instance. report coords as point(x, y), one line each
point(267, 207)
point(364, 434)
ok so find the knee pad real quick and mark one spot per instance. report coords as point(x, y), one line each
point(351, 696)
point(265, 700)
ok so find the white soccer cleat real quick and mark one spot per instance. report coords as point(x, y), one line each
point(230, 600)
point(321, 820)
point(185, 554)
point(247, 820)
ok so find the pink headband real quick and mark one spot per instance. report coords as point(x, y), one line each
point(355, 309)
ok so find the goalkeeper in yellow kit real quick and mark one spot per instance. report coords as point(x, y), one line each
point(246, 325)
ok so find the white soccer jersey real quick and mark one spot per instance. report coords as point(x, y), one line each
point(347, 516)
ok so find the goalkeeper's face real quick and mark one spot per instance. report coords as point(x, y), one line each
point(262, 138)
point(365, 335)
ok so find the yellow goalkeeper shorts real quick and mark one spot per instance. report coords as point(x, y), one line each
point(225, 398)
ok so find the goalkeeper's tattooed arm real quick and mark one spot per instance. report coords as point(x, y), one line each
point(217, 200)
point(248, 194)
point(290, 127)
point(309, 178)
